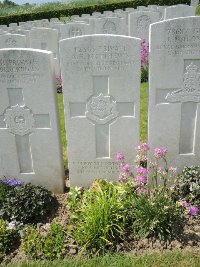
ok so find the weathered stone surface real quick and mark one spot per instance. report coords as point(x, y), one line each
point(140, 21)
point(174, 89)
point(101, 84)
point(46, 39)
point(13, 41)
point(29, 123)
point(177, 11)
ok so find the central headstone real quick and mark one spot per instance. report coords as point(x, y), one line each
point(101, 84)
point(29, 128)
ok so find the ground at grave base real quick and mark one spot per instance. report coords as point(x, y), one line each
point(186, 241)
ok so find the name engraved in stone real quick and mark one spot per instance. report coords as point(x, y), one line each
point(20, 70)
point(95, 167)
point(105, 58)
point(180, 41)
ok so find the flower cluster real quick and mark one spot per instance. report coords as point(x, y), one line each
point(126, 168)
point(141, 157)
point(144, 53)
point(160, 152)
point(59, 79)
point(141, 180)
point(11, 182)
point(191, 209)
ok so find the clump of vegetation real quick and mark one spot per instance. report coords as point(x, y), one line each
point(47, 242)
point(8, 237)
point(25, 203)
point(188, 185)
point(98, 221)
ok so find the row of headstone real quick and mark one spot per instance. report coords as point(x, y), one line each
point(131, 22)
point(101, 85)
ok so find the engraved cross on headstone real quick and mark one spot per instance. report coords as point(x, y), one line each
point(101, 110)
point(20, 121)
point(189, 97)
point(75, 31)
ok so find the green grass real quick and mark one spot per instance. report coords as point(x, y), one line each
point(62, 127)
point(169, 259)
point(143, 111)
point(143, 118)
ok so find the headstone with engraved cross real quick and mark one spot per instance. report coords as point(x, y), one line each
point(174, 93)
point(101, 81)
point(46, 39)
point(29, 128)
point(74, 29)
point(139, 22)
point(13, 41)
point(110, 25)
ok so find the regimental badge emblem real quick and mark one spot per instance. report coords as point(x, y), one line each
point(190, 89)
point(19, 120)
point(101, 109)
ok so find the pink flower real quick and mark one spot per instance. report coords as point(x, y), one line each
point(140, 179)
point(127, 168)
point(193, 210)
point(142, 171)
point(184, 203)
point(122, 178)
point(141, 190)
point(120, 156)
point(143, 147)
point(59, 78)
point(160, 152)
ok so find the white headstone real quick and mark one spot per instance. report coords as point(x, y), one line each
point(108, 13)
point(194, 3)
point(13, 25)
point(96, 14)
point(4, 27)
point(110, 25)
point(22, 31)
point(55, 20)
point(101, 84)
point(130, 9)
point(140, 21)
point(75, 29)
point(29, 122)
point(13, 41)
point(179, 11)
point(174, 93)
point(46, 39)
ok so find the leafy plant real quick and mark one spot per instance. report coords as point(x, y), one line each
point(8, 237)
point(156, 215)
point(55, 242)
point(75, 196)
point(27, 203)
point(2, 192)
point(187, 185)
point(50, 244)
point(33, 242)
point(99, 222)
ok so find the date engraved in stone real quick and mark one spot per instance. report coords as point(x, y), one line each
point(101, 109)
point(19, 120)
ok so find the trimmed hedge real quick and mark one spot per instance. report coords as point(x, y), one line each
point(85, 10)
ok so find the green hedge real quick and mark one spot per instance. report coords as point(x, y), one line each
point(85, 10)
